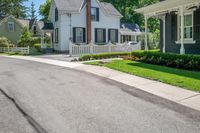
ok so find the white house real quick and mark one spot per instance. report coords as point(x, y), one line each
point(83, 21)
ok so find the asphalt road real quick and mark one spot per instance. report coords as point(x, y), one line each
point(62, 100)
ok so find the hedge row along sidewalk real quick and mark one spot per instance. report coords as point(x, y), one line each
point(177, 77)
point(188, 62)
point(103, 56)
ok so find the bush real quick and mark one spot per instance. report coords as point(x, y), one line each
point(37, 46)
point(102, 56)
point(4, 42)
point(189, 62)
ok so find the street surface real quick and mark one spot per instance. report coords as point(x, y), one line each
point(63, 100)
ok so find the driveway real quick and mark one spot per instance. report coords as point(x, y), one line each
point(63, 100)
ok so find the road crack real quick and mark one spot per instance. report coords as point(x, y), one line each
point(30, 119)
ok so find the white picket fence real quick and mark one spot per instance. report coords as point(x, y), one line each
point(23, 50)
point(95, 49)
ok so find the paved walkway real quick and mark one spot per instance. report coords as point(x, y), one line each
point(184, 97)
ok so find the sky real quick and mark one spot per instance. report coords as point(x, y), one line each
point(37, 5)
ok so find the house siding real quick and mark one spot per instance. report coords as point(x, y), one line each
point(12, 36)
point(171, 35)
point(66, 24)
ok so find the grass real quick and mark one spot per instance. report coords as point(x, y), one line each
point(177, 77)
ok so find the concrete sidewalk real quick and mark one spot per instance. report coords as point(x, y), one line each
point(176, 94)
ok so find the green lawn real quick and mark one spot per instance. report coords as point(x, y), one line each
point(177, 77)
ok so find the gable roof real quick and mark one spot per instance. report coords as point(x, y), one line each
point(69, 5)
point(23, 22)
point(76, 6)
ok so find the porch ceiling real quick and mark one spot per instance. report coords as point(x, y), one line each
point(167, 6)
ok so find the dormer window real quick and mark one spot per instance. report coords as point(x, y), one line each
point(94, 14)
point(56, 14)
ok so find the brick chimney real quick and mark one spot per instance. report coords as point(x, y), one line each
point(88, 21)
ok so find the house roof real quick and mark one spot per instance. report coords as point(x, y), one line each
point(167, 6)
point(23, 22)
point(129, 29)
point(76, 6)
point(48, 26)
point(69, 5)
point(130, 26)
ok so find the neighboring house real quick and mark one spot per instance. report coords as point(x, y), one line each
point(180, 24)
point(129, 32)
point(83, 21)
point(11, 28)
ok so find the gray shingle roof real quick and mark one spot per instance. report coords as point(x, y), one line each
point(75, 6)
point(23, 22)
point(68, 5)
point(110, 9)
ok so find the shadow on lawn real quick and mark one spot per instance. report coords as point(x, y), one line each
point(180, 72)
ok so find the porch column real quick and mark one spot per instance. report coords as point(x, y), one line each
point(164, 29)
point(146, 33)
point(42, 40)
point(182, 50)
point(135, 38)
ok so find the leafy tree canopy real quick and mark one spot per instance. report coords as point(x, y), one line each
point(13, 7)
point(44, 10)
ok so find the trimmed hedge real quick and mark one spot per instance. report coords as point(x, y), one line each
point(189, 62)
point(103, 56)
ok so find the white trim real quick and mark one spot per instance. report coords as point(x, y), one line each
point(186, 42)
point(178, 27)
point(13, 24)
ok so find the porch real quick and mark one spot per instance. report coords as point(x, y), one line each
point(180, 25)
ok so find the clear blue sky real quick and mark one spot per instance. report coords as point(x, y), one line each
point(37, 5)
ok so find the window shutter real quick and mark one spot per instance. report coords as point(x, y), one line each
point(95, 35)
point(97, 9)
point(84, 35)
point(117, 36)
point(56, 14)
point(104, 35)
point(109, 35)
point(196, 25)
point(74, 35)
point(173, 27)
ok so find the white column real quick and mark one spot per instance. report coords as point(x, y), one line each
point(146, 33)
point(164, 32)
point(135, 38)
point(182, 50)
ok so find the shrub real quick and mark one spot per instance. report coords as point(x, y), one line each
point(102, 56)
point(190, 62)
point(4, 42)
point(37, 46)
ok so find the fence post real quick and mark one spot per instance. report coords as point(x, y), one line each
point(28, 50)
point(91, 47)
point(70, 47)
point(109, 46)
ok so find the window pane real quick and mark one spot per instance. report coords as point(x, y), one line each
point(79, 35)
point(11, 26)
point(188, 20)
point(112, 35)
point(188, 32)
point(94, 14)
point(100, 35)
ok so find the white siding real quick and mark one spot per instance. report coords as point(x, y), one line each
point(79, 20)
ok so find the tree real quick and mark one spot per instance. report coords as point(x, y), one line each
point(33, 11)
point(44, 10)
point(13, 7)
point(127, 9)
point(26, 38)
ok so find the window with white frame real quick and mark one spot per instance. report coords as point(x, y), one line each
point(11, 26)
point(188, 26)
point(79, 35)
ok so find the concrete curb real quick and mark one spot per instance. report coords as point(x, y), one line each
point(178, 95)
